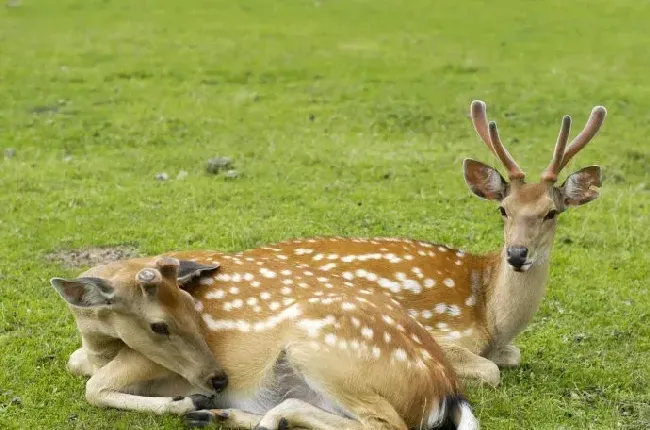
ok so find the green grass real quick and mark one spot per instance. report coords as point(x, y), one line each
point(97, 96)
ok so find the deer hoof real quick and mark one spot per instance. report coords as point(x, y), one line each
point(203, 402)
point(198, 419)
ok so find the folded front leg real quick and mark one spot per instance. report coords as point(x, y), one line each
point(472, 367)
point(129, 368)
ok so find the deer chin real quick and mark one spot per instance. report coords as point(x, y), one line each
point(523, 268)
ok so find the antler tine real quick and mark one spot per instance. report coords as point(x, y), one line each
point(480, 121)
point(514, 171)
point(596, 119)
point(551, 172)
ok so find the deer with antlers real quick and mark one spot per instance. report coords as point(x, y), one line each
point(473, 305)
point(298, 352)
point(328, 333)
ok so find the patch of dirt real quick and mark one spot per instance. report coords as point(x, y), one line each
point(93, 256)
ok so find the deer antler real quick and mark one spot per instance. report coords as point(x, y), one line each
point(561, 157)
point(490, 136)
point(551, 172)
point(596, 119)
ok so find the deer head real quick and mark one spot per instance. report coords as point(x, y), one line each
point(140, 303)
point(530, 210)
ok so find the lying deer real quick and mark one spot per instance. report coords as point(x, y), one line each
point(474, 305)
point(298, 351)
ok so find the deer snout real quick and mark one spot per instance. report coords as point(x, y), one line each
point(517, 256)
point(219, 381)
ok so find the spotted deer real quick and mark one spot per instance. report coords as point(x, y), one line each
point(298, 351)
point(473, 305)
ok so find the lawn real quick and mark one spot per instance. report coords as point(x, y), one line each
point(342, 117)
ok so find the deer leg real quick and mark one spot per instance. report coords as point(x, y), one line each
point(472, 367)
point(293, 413)
point(507, 356)
point(129, 368)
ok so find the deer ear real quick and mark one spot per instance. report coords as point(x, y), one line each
point(190, 271)
point(483, 180)
point(85, 292)
point(576, 190)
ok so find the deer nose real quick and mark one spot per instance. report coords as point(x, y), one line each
point(517, 256)
point(219, 382)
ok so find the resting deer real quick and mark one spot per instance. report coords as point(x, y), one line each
point(298, 351)
point(474, 305)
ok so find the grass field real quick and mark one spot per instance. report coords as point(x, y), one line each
point(343, 117)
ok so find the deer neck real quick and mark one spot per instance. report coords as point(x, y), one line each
point(512, 298)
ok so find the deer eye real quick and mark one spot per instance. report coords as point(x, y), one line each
point(503, 212)
point(550, 215)
point(160, 328)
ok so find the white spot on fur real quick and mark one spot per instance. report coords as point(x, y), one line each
point(449, 282)
point(285, 291)
point(328, 266)
point(274, 306)
point(429, 283)
point(206, 281)
point(216, 294)
point(367, 332)
point(427, 314)
point(223, 277)
point(267, 273)
point(399, 354)
point(347, 306)
point(330, 339)
point(376, 352)
point(264, 295)
point(413, 286)
point(233, 290)
point(252, 301)
point(347, 275)
point(313, 326)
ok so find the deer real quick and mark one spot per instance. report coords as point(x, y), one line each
point(473, 305)
point(255, 345)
